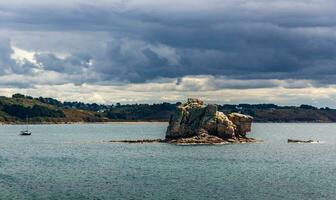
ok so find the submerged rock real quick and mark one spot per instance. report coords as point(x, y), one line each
point(138, 141)
point(300, 141)
point(194, 122)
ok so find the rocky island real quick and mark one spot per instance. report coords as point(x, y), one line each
point(196, 123)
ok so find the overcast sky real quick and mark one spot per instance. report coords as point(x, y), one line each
point(223, 51)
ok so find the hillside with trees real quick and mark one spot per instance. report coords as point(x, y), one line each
point(48, 110)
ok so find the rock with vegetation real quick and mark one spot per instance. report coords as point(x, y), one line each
point(195, 122)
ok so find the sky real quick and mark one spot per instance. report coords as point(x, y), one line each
point(149, 51)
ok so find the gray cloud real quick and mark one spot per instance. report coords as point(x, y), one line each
point(147, 40)
point(75, 63)
point(9, 65)
point(5, 52)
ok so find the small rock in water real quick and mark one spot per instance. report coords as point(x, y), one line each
point(299, 141)
point(138, 141)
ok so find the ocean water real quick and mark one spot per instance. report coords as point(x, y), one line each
point(74, 162)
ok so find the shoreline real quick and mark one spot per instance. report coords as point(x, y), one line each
point(69, 123)
point(143, 122)
point(186, 141)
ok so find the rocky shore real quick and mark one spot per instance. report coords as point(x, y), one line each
point(209, 139)
point(196, 123)
point(202, 139)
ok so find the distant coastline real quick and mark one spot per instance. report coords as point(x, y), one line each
point(147, 122)
point(41, 110)
point(106, 122)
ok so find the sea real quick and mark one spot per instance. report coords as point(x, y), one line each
point(76, 161)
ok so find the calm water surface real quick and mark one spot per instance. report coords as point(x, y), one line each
point(73, 162)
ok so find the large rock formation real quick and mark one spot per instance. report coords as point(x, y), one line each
point(194, 122)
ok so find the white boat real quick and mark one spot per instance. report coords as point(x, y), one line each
point(26, 132)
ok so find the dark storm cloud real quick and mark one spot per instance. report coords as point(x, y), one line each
point(149, 40)
point(5, 52)
point(70, 64)
point(8, 65)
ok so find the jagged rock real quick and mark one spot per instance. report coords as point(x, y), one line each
point(225, 127)
point(194, 122)
point(242, 123)
point(194, 102)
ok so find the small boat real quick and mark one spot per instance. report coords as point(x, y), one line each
point(26, 132)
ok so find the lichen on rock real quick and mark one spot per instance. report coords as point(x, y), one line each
point(195, 122)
